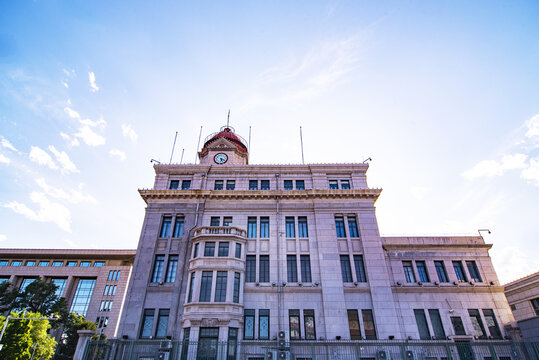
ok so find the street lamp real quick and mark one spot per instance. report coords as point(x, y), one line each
point(52, 317)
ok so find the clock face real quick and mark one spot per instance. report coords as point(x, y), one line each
point(220, 158)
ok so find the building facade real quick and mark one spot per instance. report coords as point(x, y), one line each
point(93, 282)
point(523, 297)
point(233, 251)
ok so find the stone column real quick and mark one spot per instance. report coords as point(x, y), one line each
point(84, 337)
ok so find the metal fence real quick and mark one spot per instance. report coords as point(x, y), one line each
point(117, 349)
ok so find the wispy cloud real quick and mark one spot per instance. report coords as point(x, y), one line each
point(85, 132)
point(72, 196)
point(533, 127)
point(47, 211)
point(4, 159)
point(72, 113)
point(41, 157)
point(93, 85)
point(532, 172)
point(490, 168)
point(90, 137)
point(117, 154)
point(64, 160)
point(101, 123)
point(6, 144)
point(72, 141)
point(127, 131)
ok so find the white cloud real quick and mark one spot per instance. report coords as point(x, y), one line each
point(69, 242)
point(490, 168)
point(3, 237)
point(532, 172)
point(39, 156)
point(101, 122)
point(128, 131)
point(511, 263)
point(5, 143)
point(72, 113)
point(89, 136)
point(64, 160)
point(73, 196)
point(93, 85)
point(118, 154)
point(4, 159)
point(72, 141)
point(533, 126)
point(47, 211)
point(66, 85)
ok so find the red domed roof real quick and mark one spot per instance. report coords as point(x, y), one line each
point(227, 133)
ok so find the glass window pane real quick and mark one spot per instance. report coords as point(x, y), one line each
point(174, 184)
point(368, 324)
point(305, 268)
point(309, 323)
point(227, 221)
point(303, 231)
point(345, 184)
point(264, 185)
point(360, 268)
point(492, 324)
point(346, 270)
point(459, 271)
point(172, 268)
point(408, 271)
point(300, 184)
point(288, 185)
point(83, 294)
point(422, 271)
point(293, 322)
point(352, 227)
point(251, 227)
point(292, 268)
point(440, 270)
point(263, 324)
point(60, 285)
point(353, 324)
point(30, 263)
point(231, 184)
point(178, 227)
point(209, 248)
point(99, 263)
point(147, 322)
point(339, 226)
point(220, 286)
point(290, 227)
point(422, 326)
point(473, 271)
point(46, 263)
point(215, 221)
point(264, 269)
point(264, 227)
point(250, 268)
point(165, 227)
point(186, 184)
point(162, 323)
point(223, 248)
point(16, 262)
point(333, 184)
point(249, 324)
point(477, 323)
point(205, 286)
point(238, 251)
point(236, 294)
point(437, 324)
point(191, 286)
point(218, 185)
point(458, 326)
point(157, 268)
point(253, 184)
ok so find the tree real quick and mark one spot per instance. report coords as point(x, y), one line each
point(23, 338)
point(75, 322)
point(41, 297)
point(8, 294)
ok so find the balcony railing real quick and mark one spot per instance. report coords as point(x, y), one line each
point(220, 230)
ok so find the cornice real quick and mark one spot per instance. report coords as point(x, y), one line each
point(150, 195)
point(412, 247)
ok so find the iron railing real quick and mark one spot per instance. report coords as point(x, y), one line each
point(211, 349)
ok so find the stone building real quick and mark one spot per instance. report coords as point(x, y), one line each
point(523, 297)
point(94, 282)
point(230, 250)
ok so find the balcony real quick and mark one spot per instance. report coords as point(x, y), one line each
point(226, 231)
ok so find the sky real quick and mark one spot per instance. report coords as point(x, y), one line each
point(443, 96)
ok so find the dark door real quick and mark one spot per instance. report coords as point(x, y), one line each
point(465, 350)
point(207, 344)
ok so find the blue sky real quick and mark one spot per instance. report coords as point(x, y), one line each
point(442, 96)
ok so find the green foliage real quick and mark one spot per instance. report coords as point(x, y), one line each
point(75, 322)
point(23, 338)
point(8, 294)
point(40, 297)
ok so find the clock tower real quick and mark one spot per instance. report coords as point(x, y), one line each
point(224, 148)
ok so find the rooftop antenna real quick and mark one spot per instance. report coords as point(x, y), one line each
point(198, 145)
point(480, 230)
point(228, 118)
point(173, 146)
point(367, 160)
point(301, 139)
point(181, 160)
point(249, 149)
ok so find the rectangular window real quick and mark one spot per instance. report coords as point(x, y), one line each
point(346, 270)
point(290, 227)
point(162, 324)
point(249, 324)
point(292, 268)
point(191, 286)
point(535, 305)
point(60, 285)
point(353, 324)
point(99, 263)
point(227, 221)
point(83, 294)
point(215, 221)
point(251, 227)
point(305, 261)
point(16, 263)
point(223, 248)
point(220, 286)
point(205, 286)
point(293, 322)
point(111, 275)
point(3, 262)
point(174, 184)
point(117, 275)
point(43, 263)
point(157, 268)
point(458, 326)
point(422, 326)
point(492, 324)
point(232, 343)
point(231, 184)
point(440, 270)
point(185, 345)
point(195, 250)
point(310, 325)
point(459, 271)
point(236, 293)
point(71, 263)
point(352, 227)
point(477, 323)
point(57, 263)
point(345, 184)
point(165, 227)
point(264, 227)
point(113, 290)
point(178, 227)
point(263, 324)
point(264, 185)
point(339, 226)
point(333, 184)
point(437, 325)
point(253, 184)
point(171, 268)
point(30, 263)
point(25, 282)
point(186, 184)
point(238, 251)
point(360, 268)
point(303, 230)
point(250, 268)
point(85, 264)
point(263, 275)
point(300, 184)
point(422, 271)
point(147, 322)
point(473, 271)
point(209, 248)
point(408, 271)
point(288, 185)
point(368, 324)
point(218, 185)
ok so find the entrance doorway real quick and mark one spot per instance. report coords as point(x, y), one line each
point(208, 341)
